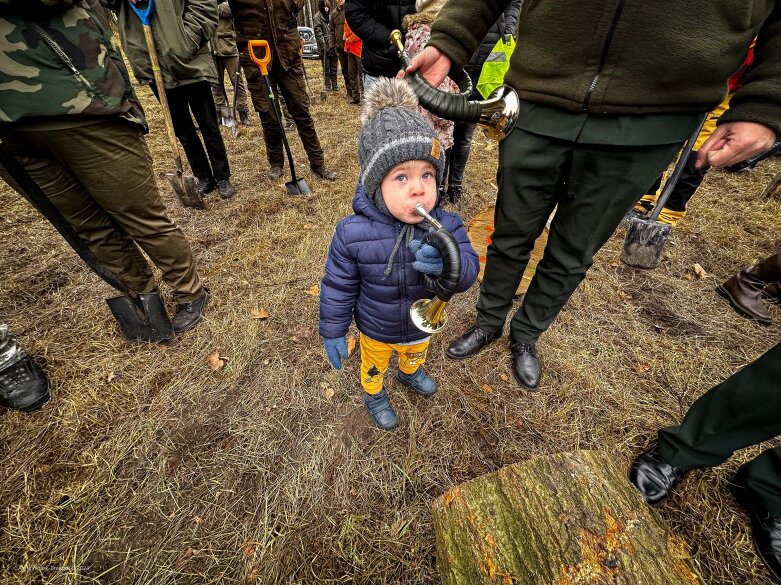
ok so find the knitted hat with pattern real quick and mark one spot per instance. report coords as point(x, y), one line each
point(394, 132)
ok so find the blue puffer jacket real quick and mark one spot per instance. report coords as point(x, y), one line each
point(354, 283)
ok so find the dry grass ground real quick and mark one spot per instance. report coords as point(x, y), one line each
point(149, 467)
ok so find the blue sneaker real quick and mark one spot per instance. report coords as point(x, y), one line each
point(420, 382)
point(380, 410)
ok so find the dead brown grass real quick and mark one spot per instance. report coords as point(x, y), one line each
point(148, 467)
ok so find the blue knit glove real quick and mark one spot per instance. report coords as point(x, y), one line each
point(336, 350)
point(428, 260)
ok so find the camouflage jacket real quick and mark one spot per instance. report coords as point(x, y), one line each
point(58, 58)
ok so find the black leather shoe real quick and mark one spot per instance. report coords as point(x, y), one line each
point(188, 315)
point(225, 189)
point(471, 342)
point(653, 477)
point(380, 410)
point(24, 386)
point(765, 528)
point(526, 364)
point(324, 173)
point(206, 186)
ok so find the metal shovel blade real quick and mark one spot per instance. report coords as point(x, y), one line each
point(143, 320)
point(297, 187)
point(187, 190)
point(644, 243)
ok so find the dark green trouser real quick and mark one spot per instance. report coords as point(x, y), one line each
point(743, 410)
point(594, 186)
point(100, 178)
point(292, 86)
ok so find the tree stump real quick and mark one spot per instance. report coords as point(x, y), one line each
point(773, 190)
point(566, 519)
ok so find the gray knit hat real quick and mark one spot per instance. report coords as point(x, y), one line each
point(394, 132)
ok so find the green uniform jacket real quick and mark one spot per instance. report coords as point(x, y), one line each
point(182, 30)
point(273, 21)
point(631, 56)
point(57, 59)
point(223, 43)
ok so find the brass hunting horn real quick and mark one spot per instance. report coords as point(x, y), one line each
point(429, 314)
point(497, 114)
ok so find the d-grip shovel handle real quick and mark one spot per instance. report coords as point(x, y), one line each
point(261, 62)
point(444, 285)
point(144, 14)
point(452, 106)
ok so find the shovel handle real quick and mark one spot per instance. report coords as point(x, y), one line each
point(261, 62)
point(144, 14)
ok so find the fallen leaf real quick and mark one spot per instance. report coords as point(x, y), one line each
point(215, 360)
point(313, 290)
point(487, 388)
point(301, 334)
point(351, 343)
point(261, 313)
point(110, 377)
point(329, 393)
point(699, 271)
point(249, 548)
point(641, 367)
point(185, 555)
point(503, 377)
point(253, 575)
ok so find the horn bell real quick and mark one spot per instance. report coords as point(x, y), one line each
point(499, 112)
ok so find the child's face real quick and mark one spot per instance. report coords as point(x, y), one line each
point(408, 184)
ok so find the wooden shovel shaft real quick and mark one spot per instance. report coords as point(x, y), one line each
point(169, 125)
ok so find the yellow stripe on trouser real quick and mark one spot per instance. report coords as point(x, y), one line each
point(375, 356)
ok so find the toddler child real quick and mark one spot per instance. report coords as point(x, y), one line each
point(376, 262)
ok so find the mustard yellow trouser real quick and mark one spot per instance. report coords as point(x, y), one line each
point(375, 356)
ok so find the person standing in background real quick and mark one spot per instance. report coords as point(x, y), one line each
point(226, 58)
point(353, 48)
point(324, 48)
point(182, 29)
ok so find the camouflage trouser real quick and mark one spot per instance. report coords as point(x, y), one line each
point(100, 178)
point(231, 65)
point(10, 350)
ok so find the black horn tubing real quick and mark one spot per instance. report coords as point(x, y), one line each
point(444, 285)
point(451, 106)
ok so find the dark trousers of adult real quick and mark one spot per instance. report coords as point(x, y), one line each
point(459, 153)
point(230, 64)
point(290, 83)
point(344, 63)
point(100, 177)
point(743, 410)
point(197, 98)
point(592, 187)
point(330, 64)
point(354, 78)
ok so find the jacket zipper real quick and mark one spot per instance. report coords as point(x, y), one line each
point(403, 286)
point(603, 57)
point(63, 57)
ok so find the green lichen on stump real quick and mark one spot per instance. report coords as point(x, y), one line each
point(566, 519)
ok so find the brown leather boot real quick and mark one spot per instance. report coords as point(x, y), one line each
point(744, 290)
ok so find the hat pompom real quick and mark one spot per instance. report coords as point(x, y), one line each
point(388, 93)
